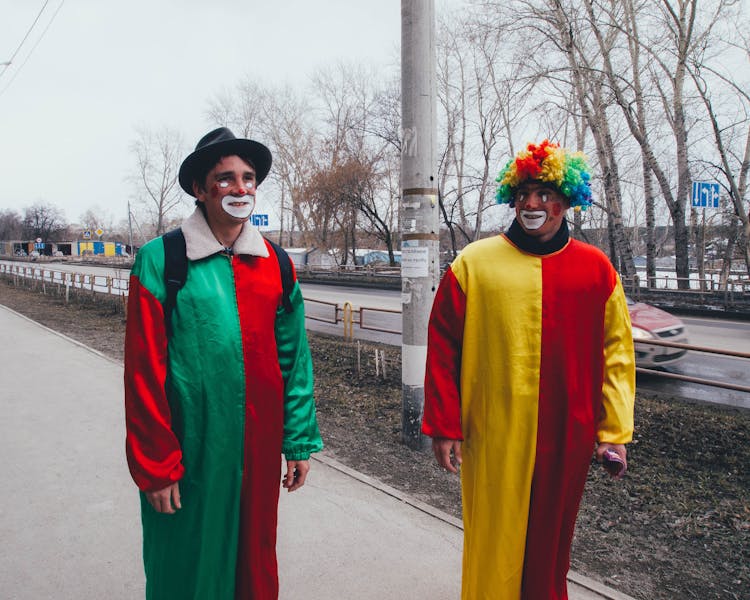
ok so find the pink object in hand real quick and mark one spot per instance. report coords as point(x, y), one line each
point(614, 465)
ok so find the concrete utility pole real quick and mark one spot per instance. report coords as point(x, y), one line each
point(420, 262)
point(130, 230)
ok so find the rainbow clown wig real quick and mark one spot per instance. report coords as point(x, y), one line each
point(567, 171)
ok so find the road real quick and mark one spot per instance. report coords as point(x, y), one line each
point(384, 327)
point(71, 268)
point(714, 333)
point(719, 333)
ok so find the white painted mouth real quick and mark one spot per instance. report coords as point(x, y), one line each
point(239, 207)
point(533, 219)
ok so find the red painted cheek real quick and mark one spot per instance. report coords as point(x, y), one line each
point(556, 209)
point(216, 191)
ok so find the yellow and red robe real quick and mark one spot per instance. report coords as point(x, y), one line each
point(530, 360)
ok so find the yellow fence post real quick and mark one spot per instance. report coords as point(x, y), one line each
point(348, 321)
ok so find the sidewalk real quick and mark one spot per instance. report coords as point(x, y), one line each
point(69, 516)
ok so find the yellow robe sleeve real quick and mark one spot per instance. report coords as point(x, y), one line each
point(618, 391)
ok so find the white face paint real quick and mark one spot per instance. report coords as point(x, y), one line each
point(240, 207)
point(533, 219)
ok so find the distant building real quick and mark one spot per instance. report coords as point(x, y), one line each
point(364, 257)
point(298, 256)
point(321, 259)
point(71, 248)
point(101, 248)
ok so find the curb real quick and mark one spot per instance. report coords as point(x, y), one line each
point(591, 585)
point(63, 336)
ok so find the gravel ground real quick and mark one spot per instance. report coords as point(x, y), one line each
point(678, 525)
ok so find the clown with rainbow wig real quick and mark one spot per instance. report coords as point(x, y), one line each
point(530, 371)
point(547, 162)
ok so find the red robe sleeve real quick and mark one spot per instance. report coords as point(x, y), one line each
point(442, 388)
point(153, 451)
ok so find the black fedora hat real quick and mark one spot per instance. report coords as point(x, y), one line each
point(222, 142)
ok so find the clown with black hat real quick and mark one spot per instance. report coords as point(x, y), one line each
point(530, 366)
point(218, 384)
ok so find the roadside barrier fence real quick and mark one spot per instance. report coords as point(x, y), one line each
point(382, 320)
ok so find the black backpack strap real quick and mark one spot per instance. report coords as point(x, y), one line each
point(287, 275)
point(175, 272)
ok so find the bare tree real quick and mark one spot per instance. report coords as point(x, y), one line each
point(563, 62)
point(482, 94)
point(596, 114)
point(44, 221)
point(346, 95)
point(361, 145)
point(357, 194)
point(489, 93)
point(11, 225)
point(632, 30)
point(670, 54)
point(324, 199)
point(241, 109)
point(732, 146)
point(633, 55)
point(452, 96)
point(281, 118)
point(383, 130)
point(158, 156)
point(735, 183)
point(95, 217)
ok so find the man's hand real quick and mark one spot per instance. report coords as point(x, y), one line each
point(166, 500)
point(443, 447)
point(618, 448)
point(296, 473)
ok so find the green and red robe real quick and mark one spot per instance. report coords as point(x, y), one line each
point(530, 360)
point(214, 407)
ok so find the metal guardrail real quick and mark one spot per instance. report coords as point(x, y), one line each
point(698, 380)
point(701, 293)
point(346, 314)
point(333, 320)
point(709, 284)
point(705, 349)
point(107, 284)
point(665, 374)
point(690, 378)
point(348, 318)
point(362, 325)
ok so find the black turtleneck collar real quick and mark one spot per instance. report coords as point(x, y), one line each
point(523, 241)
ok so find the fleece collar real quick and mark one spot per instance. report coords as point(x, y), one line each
point(200, 241)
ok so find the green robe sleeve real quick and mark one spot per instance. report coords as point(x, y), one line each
point(301, 433)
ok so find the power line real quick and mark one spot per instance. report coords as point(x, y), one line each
point(18, 70)
point(26, 36)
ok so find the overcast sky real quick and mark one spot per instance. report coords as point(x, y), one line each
point(71, 98)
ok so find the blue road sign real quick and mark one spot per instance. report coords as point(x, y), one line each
point(260, 220)
point(705, 194)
